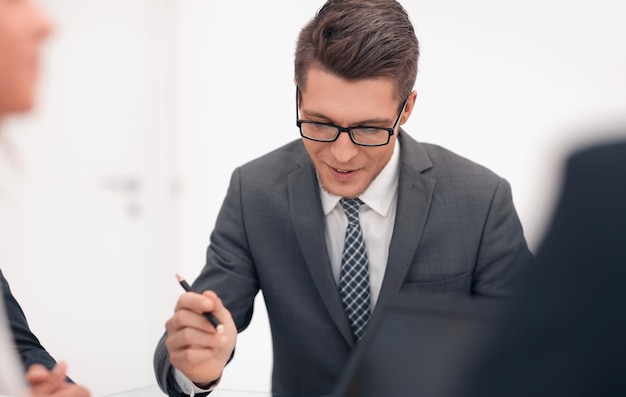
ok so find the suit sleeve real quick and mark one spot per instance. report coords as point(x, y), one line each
point(503, 250)
point(229, 271)
point(30, 349)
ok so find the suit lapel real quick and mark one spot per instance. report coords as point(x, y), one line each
point(415, 192)
point(306, 207)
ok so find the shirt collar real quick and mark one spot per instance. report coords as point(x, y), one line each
point(381, 191)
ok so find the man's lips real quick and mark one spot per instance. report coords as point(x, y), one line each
point(342, 172)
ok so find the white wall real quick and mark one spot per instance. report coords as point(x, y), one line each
point(513, 86)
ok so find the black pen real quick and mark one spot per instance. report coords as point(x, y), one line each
point(209, 316)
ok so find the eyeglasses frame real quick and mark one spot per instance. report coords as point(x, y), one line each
point(341, 129)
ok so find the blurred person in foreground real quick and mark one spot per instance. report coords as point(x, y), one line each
point(415, 216)
point(562, 333)
point(23, 27)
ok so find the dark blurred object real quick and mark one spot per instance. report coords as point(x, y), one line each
point(564, 333)
point(415, 344)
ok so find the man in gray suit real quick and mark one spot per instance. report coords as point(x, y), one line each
point(430, 220)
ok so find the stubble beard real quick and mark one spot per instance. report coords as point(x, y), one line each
point(359, 192)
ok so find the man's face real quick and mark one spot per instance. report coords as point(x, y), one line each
point(344, 168)
point(22, 29)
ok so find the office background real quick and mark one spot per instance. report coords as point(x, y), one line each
point(148, 105)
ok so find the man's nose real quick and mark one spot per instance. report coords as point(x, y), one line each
point(343, 149)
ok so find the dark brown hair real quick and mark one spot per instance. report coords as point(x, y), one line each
point(360, 39)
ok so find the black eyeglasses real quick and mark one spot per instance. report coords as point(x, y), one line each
point(360, 135)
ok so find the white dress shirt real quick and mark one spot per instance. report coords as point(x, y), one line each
point(188, 387)
point(377, 217)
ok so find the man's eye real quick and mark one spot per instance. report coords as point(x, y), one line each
point(368, 130)
point(323, 127)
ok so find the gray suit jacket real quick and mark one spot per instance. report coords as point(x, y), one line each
point(456, 232)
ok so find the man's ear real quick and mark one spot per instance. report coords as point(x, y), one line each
point(408, 108)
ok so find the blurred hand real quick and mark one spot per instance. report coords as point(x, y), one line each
point(52, 383)
point(195, 347)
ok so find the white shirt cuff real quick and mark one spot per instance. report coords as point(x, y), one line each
point(188, 387)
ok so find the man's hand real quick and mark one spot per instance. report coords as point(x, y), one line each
point(195, 347)
point(52, 383)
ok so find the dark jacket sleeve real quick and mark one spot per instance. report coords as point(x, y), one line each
point(30, 350)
